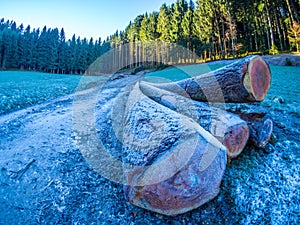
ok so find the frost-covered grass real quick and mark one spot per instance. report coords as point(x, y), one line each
point(22, 89)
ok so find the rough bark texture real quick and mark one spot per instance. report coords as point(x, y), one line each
point(183, 164)
point(170, 164)
point(247, 80)
point(227, 127)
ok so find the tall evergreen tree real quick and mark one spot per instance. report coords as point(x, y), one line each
point(163, 24)
point(144, 29)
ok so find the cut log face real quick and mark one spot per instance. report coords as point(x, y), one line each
point(228, 128)
point(247, 80)
point(258, 78)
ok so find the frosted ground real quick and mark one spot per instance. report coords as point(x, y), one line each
point(44, 178)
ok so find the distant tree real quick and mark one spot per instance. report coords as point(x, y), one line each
point(54, 50)
point(187, 26)
point(22, 50)
point(91, 53)
point(177, 13)
point(12, 47)
point(73, 46)
point(163, 24)
point(144, 29)
point(152, 34)
point(294, 35)
point(43, 50)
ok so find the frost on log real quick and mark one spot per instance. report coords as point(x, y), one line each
point(172, 142)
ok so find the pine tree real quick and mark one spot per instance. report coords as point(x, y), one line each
point(187, 25)
point(152, 34)
point(22, 46)
point(144, 29)
point(294, 35)
point(163, 24)
point(43, 50)
point(177, 12)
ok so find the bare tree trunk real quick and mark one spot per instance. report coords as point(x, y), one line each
point(231, 29)
point(267, 30)
point(220, 43)
point(224, 39)
point(270, 25)
point(278, 30)
point(290, 12)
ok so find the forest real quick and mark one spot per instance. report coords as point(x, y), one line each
point(211, 29)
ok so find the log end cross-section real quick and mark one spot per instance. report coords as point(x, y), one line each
point(258, 78)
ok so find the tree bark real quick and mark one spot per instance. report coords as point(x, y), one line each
point(178, 166)
point(231, 29)
point(228, 128)
point(270, 24)
point(247, 80)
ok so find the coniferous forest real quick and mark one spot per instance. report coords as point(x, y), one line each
point(212, 29)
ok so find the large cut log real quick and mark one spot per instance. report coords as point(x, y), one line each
point(260, 127)
point(227, 127)
point(172, 165)
point(247, 80)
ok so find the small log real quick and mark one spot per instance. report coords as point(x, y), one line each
point(247, 80)
point(228, 128)
point(260, 127)
point(172, 165)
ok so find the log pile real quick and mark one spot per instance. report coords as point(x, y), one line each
point(174, 142)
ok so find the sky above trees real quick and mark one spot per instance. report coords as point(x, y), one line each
point(88, 18)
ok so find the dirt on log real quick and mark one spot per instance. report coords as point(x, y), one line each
point(246, 80)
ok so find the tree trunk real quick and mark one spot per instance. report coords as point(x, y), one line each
point(250, 31)
point(270, 25)
point(231, 30)
point(163, 174)
point(224, 39)
point(247, 80)
point(290, 12)
point(278, 29)
point(267, 31)
point(228, 128)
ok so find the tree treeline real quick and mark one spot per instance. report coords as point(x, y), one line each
point(211, 29)
point(218, 29)
point(46, 50)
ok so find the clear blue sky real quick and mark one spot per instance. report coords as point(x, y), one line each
point(85, 18)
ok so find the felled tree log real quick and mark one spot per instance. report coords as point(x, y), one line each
point(260, 127)
point(228, 128)
point(247, 80)
point(172, 165)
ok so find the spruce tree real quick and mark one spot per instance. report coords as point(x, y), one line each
point(144, 30)
point(163, 24)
